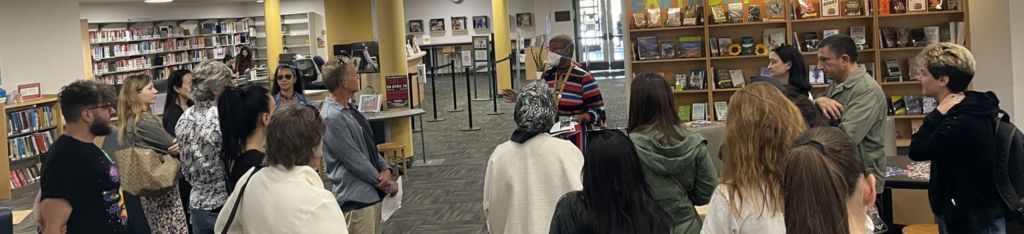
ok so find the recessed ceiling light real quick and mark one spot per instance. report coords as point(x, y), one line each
point(158, 1)
point(259, 1)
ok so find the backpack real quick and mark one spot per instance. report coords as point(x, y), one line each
point(1009, 167)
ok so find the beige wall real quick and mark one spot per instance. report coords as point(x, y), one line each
point(1017, 41)
point(41, 42)
point(999, 69)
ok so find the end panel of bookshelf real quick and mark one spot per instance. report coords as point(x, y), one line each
point(5, 166)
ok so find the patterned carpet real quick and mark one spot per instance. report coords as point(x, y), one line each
point(447, 198)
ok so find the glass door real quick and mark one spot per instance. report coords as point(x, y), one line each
point(599, 32)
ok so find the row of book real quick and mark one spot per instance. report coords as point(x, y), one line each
point(146, 47)
point(162, 72)
point(911, 105)
point(808, 41)
point(224, 27)
point(674, 16)
point(888, 7)
point(25, 121)
point(25, 176)
point(895, 37)
point(692, 81)
point(699, 111)
point(102, 68)
point(29, 146)
point(650, 48)
point(811, 9)
point(145, 32)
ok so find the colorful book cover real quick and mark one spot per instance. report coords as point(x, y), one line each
point(897, 105)
point(648, 48)
point(690, 47)
point(829, 8)
point(928, 104)
point(668, 49)
point(684, 113)
point(721, 110)
point(700, 111)
point(736, 75)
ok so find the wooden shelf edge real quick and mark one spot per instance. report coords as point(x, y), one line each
point(726, 25)
point(921, 13)
point(45, 99)
point(666, 28)
point(839, 18)
point(739, 57)
point(668, 60)
point(903, 142)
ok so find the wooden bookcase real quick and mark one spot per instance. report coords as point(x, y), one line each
point(6, 166)
point(751, 64)
point(303, 31)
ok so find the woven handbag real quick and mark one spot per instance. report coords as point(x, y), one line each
point(145, 172)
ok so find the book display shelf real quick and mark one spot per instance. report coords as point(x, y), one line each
point(121, 49)
point(710, 48)
point(30, 128)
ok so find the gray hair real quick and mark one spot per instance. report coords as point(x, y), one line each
point(563, 39)
point(209, 77)
point(535, 108)
point(293, 136)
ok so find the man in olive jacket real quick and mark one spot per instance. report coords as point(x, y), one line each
point(680, 173)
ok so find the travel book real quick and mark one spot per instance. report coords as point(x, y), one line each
point(690, 47)
point(736, 75)
point(897, 106)
point(892, 71)
point(723, 79)
point(700, 111)
point(684, 113)
point(673, 17)
point(721, 110)
point(668, 49)
point(718, 13)
point(829, 8)
point(696, 81)
point(774, 37)
point(854, 8)
point(647, 48)
point(693, 15)
point(735, 12)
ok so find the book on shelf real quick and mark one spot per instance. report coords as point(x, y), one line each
point(715, 52)
point(917, 5)
point(774, 37)
point(747, 45)
point(654, 18)
point(29, 120)
point(775, 10)
point(917, 37)
point(944, 34)
point(903, 37)
point(960, 30)
point(736, 76)
point(673, 17)
point(883, 7)
point(870, 68)
point(723, 45)
point(913, 104)
point(668, 49)
point(888, 37)
point(897, 106)
point(647, 48)
point(893, 72)
point(722, 79)
point(952, 5)
point(859, 35)
point(936, 5)
point(639, 20)
point(829, 8)
point(829, 32)
point(816, 76)
point(684, 113)
point(928, 104)
point(718, 13)
point(25, 176)
point(690, 47)
point(807, 9)
point(735, 14)
point(700, 111)
point(897, 6)
point(696, 81)
point(854, 8)
point(693, 15)
point(810, 42)
point(680, 82)
point(721, 110)
point(30, 145)
point(754, 13)
point(912, 71)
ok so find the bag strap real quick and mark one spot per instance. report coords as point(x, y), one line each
point(234, 208)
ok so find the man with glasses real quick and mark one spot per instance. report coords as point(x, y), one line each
point(80, 190)
point(577, 97)
point(359, 176)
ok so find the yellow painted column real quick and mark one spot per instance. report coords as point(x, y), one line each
point(393, 62)
point(502, 42)
point(347, 21)
point(272, 21)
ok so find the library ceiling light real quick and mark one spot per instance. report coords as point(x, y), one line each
point(158, 1)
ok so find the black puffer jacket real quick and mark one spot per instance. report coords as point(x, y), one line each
point(961, 146)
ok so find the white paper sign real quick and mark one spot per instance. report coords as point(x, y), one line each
point(391, 204)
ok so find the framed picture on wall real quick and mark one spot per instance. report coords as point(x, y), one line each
point(415, 26)
point(481, 22)
point(458, 23)
point(524, 20)
point(437, 25)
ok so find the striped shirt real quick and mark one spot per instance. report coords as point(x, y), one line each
point(579, 96)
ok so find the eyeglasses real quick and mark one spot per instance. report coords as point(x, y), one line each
point(109, 107)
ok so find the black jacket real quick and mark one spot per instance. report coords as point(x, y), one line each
point(572, 216)
point(961, 146)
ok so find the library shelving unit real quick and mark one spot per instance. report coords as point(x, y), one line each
point(156, 48)
point(299, 31)
point(873, 56)
point(30, 127)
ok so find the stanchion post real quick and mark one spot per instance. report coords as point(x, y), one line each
point(433, 87)
point(469, 105)
point(455, 96)
point(494, 79)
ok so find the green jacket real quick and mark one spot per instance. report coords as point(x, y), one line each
point(864, 110)
point(681, 175)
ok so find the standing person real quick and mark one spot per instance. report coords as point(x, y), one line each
point(856, 104)
point(80, 188)
point(199, 135)
point(175, 104)
point(826, 189)
point(762, 125)
point(615, 198)
point(787, 66)
point(957, 137)
point(140, 128)
point(526, 175)
point(243, 61)
point(286, 196)
point(244, 115)
point(230, 61)
point(359, 176)
point(575, 90)
point(288, 88)
point(675, 160)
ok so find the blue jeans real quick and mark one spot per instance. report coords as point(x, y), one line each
point(202, 221)
point(996, 227)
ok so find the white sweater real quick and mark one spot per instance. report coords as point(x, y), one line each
point(283, 201)
point(524, 182)
point(721, 220)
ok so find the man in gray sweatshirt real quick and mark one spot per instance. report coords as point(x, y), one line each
point(359, 176)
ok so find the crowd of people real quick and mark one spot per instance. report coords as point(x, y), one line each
point(251, 158)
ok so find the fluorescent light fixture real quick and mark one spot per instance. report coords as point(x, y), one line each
point(259, 1)
point(158, 1)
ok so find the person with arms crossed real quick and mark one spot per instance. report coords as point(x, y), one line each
point(80, 188)
point(359, 176)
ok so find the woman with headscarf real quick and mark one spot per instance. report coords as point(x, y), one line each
point(528, 174)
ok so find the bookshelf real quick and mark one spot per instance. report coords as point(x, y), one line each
point(873, 56)
point(300, 32)
point(30, 127)
point(155, 48)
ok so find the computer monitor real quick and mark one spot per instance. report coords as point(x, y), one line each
point(307, 70)
point(365, 54)
point(286, 58)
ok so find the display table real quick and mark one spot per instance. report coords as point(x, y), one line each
point(905, 198)
point(389, 118)
point(392, 113)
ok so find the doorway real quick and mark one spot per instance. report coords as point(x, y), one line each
point(599, 35)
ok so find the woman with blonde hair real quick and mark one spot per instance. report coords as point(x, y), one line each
point(139, 127)
point(762, 125)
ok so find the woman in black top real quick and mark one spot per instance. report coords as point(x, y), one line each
point(787, 65)
point(244, 116)
point(177, 100)
point(615, 196)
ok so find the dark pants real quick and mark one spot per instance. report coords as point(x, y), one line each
point(202, 221)
point(997, 226)
point(186, 190)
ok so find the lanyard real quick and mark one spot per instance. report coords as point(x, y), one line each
point(560, 83)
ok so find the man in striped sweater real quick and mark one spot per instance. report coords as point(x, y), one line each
point(575, 90)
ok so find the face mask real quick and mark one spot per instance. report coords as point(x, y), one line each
point(553, 59)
